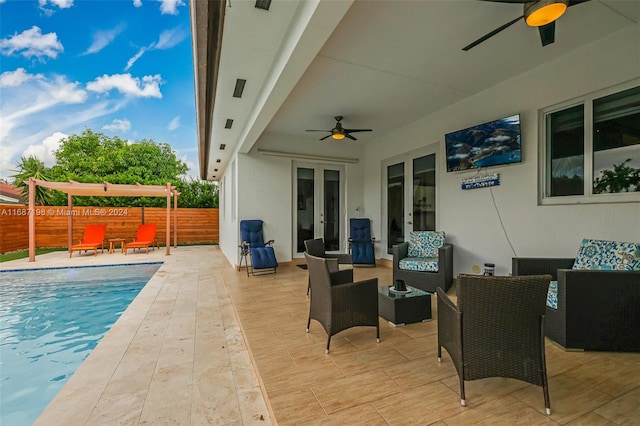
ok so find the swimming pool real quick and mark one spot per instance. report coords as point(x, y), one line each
point(50, 320)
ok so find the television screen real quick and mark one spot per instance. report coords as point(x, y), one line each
point(485, 145)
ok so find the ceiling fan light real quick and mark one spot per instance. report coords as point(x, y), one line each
point(337, 136)
point(539, 13)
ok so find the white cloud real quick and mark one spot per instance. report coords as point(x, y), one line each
point(41, 106)
point(117, 124)
point(16, 78)
point(137, 3)
point(135, 57)
point(148, 87)
point(166, 40)
point(170, 7)
point(62, 4)
point(174, 124)
point(66, 92)
point(32, 43)
point(101, 39)
point(44, 151)
point(170, 38)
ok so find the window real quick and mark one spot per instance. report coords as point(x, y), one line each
point(592, 148)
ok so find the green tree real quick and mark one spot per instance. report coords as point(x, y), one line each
point(93, 157)
point(27, 168)
point(197, 193)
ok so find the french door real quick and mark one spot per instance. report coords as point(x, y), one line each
point(410, 196)
point(319, 203)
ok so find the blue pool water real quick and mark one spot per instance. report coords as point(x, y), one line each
point(50, 320)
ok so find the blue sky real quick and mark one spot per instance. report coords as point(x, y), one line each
point(120, 67)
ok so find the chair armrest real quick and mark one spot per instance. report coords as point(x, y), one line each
point(269, 243)
point(400, 251)
point(540, 265)
point(369, 287)
point(341, 277)
point(445, 300)
point(449, 328)
point(343, 258)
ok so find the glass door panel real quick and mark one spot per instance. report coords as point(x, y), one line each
point(305, 207)
point(331, 214)
point(424, 193)
point(395, 205)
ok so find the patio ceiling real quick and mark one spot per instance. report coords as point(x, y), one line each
point(380, 64)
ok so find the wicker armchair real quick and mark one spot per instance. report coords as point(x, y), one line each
point(427, 281)
point(316, 248)
point(337, 302)
point(496, 329)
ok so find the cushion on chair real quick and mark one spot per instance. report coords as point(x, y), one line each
point(422, 264)
point(425, 243)
point(602, 255)
point(552, 295)
point(263, 258)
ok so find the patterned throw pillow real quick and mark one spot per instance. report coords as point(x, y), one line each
point(552, 295)
point(602, 255)
point(425, 243)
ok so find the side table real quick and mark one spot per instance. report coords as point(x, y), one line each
point(401, 309)
point(114, 241)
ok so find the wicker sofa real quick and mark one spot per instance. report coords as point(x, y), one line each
point(424, 262)
point(596, 308)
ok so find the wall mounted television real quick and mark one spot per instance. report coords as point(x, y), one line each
point(490, 144)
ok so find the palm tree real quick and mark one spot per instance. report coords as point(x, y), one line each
point(27, 168)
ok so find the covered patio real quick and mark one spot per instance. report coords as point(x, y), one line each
point(204, 344)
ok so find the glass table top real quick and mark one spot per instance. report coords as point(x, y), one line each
point(413, 292)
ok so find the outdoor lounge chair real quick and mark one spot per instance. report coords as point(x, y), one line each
point(92, 238)
point(252, 246)
point(145, 237)
point(496, 329)
point(361, 242)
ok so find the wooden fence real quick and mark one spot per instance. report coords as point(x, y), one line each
point(194, 225)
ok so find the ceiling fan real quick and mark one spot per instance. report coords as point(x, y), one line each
point(338, 132)
point(540, 13)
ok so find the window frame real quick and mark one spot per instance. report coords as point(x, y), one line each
point(543, 161)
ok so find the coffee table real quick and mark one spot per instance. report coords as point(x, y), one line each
point(401, 309)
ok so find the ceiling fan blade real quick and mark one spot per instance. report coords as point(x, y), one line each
point(357, 130)
point(350, 137)
point(492, 33)
point(317, 130)
point(328, 136)
point(547, 33)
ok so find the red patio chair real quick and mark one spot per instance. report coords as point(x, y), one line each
point(92, 238)
point(145, 237)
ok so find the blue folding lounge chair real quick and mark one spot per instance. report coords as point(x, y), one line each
point(263, 258)
point(360, 242)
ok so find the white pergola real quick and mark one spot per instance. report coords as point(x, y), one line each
point(104, 189)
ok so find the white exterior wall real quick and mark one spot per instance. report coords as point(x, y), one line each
point(469, 217)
